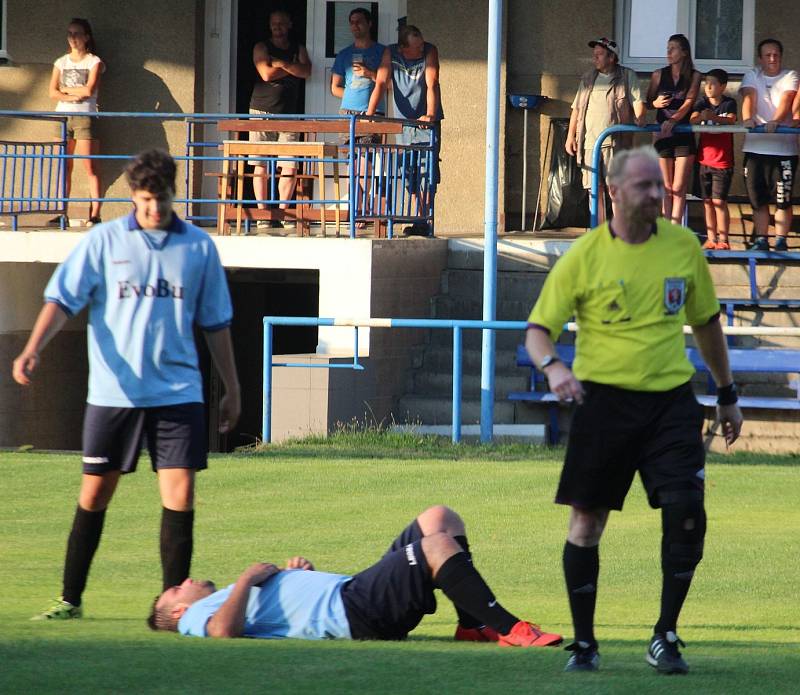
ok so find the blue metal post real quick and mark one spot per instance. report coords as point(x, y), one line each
point(266, 402)
point(456, 384)
point(352, 176)
point(490, 216)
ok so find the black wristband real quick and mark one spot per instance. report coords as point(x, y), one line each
point(726, 395)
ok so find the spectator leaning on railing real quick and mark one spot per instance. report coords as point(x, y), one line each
point(609, 94)
point(770, 159)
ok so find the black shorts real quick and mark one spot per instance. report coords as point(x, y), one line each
point(388, 600)
point(715, 183)
point(175, 435)
point(678, 145)
point(616, 432)
point(769, 178)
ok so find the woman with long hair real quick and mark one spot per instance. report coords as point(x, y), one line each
point(74, 85)
point(672, 92)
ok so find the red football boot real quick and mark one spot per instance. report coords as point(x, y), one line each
point(476, 634)
point(525, 634)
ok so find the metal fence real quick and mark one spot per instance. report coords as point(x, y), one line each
point(387, 182)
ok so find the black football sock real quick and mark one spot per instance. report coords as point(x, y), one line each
point(465, 587)
point(464, 618)
point(581, 569)
point(176, 545)
point(87, 527)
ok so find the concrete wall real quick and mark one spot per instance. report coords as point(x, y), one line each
point(151, 50)
point(459, 30)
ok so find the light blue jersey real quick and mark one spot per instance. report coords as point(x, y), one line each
point(357, 90)
point(145, 291)
point(293, 603)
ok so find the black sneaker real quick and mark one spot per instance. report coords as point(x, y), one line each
point(761, 243)
point(663, 654)
point(417, 229)
point(584, 658)
point(780, 244)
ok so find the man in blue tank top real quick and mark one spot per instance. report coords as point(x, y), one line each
point(148, 279)
point(385, 601)
point(412, 65)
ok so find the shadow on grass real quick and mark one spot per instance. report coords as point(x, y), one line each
point(169, 663)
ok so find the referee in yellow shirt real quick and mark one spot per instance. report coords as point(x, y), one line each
point(631, 284)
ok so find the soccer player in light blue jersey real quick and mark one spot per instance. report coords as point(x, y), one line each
point(384, 602)
point(147, 279)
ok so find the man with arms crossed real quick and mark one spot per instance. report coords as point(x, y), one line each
point(632, 284)
point(770, 159)
point(282, 65)
point(384, 602)
point(148, 278)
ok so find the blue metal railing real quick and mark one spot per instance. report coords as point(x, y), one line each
point(456, 325)
point(394, 184)
point(654, 128)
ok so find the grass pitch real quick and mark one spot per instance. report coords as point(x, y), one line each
point(341, 508)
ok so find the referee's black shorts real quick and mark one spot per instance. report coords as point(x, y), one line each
point(388, 600)
point(616, 432)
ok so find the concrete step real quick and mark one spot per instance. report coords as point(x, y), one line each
point(445, 306)
point(440, 359)
point(513, 254)
point(440, 384)
point(472, 339)
point(438, 411)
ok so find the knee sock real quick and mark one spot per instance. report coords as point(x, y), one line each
point(684, 528)
point(84, 538)
point(176, 545)
point(581, 569)
point(464, 618)
point(465, 587)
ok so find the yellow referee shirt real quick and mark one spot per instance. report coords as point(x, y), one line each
point(630, 302)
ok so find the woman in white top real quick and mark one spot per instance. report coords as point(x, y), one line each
point(74, 84)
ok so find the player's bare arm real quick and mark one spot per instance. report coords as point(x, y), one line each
point(561, 380)
point(382, 81)
point(220, 346)
point(301, 68)
point(711, 342)
point(228, 621)
point(50, 321)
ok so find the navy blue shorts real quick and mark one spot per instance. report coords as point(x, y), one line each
point(616, 432)
point(175, 436)
point(388, 600)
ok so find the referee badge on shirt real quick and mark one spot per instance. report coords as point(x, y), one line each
point(674, 294)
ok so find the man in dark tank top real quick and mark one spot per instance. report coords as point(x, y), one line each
point(282, 65)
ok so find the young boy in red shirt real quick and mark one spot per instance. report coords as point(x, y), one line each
point(715, 157)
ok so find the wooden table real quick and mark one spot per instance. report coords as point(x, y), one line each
point(312, 151)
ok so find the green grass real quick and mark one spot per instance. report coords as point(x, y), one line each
point(341, 506)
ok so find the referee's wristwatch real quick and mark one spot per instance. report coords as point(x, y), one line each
point(547, 360)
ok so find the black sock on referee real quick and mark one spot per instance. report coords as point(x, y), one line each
point(87, 527)
point(581, 569)
point(465, 587)
point(176, 545)
point(464, 618)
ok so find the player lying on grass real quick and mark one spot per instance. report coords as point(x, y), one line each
point(385, 601)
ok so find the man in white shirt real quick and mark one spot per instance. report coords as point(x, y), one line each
point(770, 159)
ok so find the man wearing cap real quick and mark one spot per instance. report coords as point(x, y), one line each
point(608, 94)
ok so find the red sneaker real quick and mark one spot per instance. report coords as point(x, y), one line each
point(476, 634)
point(529, 635)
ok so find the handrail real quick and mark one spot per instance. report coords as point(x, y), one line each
point(456, 325)
point(387, 195)
point(655, 128)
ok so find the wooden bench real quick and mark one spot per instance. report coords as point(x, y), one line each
point(742, 360)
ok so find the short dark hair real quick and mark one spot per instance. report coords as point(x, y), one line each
point(764, 42)
point(361, 10)
point(152, 171)
point(720, 74)
point(160, 618)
